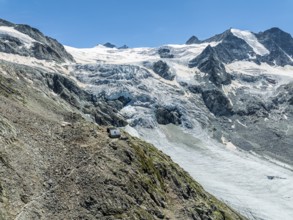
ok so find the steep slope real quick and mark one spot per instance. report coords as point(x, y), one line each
point(57, 165)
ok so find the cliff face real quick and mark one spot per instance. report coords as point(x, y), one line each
point(54, 164)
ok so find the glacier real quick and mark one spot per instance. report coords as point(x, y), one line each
point(239, 178)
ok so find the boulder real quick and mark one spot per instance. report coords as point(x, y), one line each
point(168, 115)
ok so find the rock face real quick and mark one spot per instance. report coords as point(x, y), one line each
point(231, 48)
point(57, 165)
point(276, 36)
point(280, 45)
point(42, 47)
point(217, 102)
point(100, 110)
point(163, 70)
point(209, 62)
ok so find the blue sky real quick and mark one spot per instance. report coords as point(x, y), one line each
point(85, 23)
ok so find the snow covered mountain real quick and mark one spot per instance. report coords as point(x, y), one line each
point(235, 85)
point(222, 108)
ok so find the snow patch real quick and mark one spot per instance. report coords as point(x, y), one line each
point(241, 123)
point(50, 66)
point(250, 68)
point(112, 55)
point(251, 40)
point(25, 39)
point(229, 145)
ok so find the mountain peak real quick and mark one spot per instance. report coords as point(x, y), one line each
point(207, 53)
point(193, 40)
point(220, 37)
point(275, 30)
point(277, 41)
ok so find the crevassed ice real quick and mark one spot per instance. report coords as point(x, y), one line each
point(251, 40)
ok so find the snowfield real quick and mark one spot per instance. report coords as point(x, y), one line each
point(183, 53)
point(252, 41)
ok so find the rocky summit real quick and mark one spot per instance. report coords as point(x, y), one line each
point(222, 108)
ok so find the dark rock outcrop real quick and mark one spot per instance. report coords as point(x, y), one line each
point(284, 95)
point(217, 102)
point(276, 37)
point(102, 111)
point(249, 105)
point(233, 48)
point(9, 44)
point(196, 89)
point(165, 53)
point(168, 115)
point(162, 69)
point(280, 45)
point(209, 62)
